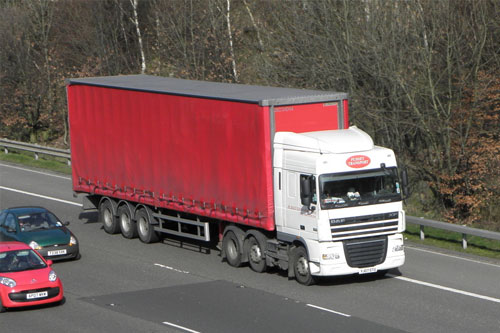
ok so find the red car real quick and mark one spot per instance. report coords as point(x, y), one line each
point(26, 278)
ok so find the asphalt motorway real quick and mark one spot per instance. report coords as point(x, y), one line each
point(122, 285)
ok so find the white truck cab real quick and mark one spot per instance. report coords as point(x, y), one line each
point(340, 196)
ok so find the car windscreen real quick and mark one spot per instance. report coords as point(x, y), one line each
point(38, 220)
point(20, 260)
point(359, 188)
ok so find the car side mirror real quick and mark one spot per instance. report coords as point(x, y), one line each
point(66, 223)
point(10, 230)
point(49, 262)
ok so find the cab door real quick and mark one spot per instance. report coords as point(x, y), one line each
point(299, 220)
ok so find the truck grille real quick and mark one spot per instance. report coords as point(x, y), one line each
point(365, 252)
point(362, 226)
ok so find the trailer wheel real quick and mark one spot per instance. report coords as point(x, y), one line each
point(256, 258)
point(127, 225)
point(231, 248)
point(109, 221)
point(301, 267)
point(145, 230)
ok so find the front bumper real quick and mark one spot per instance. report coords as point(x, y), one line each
point(60, 252)
point(18, 296)
point(395, 257)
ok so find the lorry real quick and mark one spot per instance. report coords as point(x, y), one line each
point(275, 177)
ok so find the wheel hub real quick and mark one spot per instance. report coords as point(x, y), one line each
point(255, 253)
point(302, 266)
point(125, 222)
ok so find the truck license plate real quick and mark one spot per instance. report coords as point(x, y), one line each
point(37, 295)
point(57, 252)
point(368, 270)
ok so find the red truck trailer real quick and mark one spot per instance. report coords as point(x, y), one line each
point(193, 158)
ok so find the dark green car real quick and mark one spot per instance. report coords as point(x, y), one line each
point(41, 230)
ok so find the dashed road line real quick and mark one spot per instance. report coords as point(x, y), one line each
point(41, 196)
point(328, 310)
point(180, 327)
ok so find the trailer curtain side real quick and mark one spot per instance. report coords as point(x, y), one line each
point(203, 156)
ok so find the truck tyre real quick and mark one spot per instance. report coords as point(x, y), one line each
point(301, 269)
point(145, 230)
point(231, 248)
point(107, 217)
point(127, 225)
point(256, 258)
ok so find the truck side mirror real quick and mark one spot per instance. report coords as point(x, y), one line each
point(404, 180)
point(305, 190)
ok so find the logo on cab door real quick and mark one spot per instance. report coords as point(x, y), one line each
point(358, 161)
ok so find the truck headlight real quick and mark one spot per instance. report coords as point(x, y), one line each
point(397, 248)
point(330, 256)
point(7, 282)
point(34, 245)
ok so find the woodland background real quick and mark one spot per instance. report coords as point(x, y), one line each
point(422, 75)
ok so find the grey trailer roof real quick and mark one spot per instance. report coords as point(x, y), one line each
point(264, 96)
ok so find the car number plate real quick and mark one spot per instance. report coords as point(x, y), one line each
point(368, 270)
point(57, 252)
point(37, 295)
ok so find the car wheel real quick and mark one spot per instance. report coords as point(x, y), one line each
point(301, 267)
point(256, 258)
point(127, 225)
point(231, 248)
point(109, 221)
point(145, 229)
point(2, 308)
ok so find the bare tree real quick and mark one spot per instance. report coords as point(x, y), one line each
point(135, 20)
point(230, 38)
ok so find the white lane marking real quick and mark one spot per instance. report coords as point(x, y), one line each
point(452, 256)
point(180, 327)
point(39, 172)
point(172, 269)
point(40, 196)
point(328, 310)
point(453, 290)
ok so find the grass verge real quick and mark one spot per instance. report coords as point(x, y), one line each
point(44, 162)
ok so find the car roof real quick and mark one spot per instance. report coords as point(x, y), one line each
point(25, 210)
point(12, 246)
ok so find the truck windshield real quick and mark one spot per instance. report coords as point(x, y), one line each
point(359, 188)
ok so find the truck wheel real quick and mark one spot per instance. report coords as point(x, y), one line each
point(144, 228)
point(109, 222)
point(128, 226)
point(301, 267)
point(231, 248)
point(256, 258)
